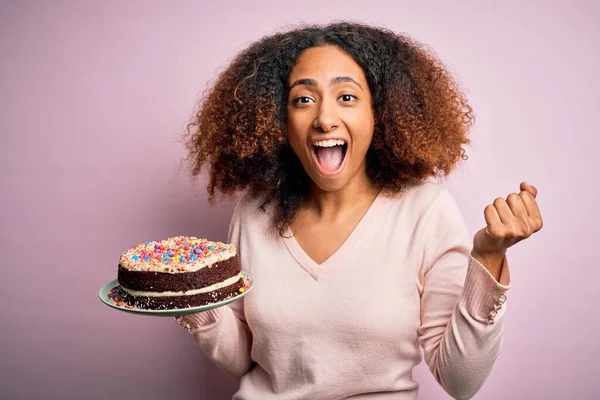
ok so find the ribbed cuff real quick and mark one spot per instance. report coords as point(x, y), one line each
point(483, 297)
point(201, 321)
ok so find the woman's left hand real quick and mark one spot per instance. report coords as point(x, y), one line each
point(508, 222)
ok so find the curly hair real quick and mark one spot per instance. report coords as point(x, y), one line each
point(239, 131)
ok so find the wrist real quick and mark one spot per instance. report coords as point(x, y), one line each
point(491, 261)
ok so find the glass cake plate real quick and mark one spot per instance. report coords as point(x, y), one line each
point(105, 292)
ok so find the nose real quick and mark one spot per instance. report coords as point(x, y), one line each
point(327, 118)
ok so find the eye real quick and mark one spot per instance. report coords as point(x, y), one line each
point(346, 96)
point(297, 100)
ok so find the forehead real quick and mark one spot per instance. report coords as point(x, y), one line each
point(325, 62)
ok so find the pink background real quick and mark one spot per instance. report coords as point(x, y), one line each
point(94, 95)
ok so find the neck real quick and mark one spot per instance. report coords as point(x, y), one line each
point(331, 204)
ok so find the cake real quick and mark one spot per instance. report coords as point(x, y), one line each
point(178, 272)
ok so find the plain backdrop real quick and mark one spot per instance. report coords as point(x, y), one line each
point(94, 96)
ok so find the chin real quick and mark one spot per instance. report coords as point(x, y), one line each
point(330, 185)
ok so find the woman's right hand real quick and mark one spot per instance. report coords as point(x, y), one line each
point(187, 322)
point(192, 322)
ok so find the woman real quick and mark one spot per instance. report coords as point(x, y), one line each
point(357, 258)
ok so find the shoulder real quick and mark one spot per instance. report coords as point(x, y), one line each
point(437, 200)
point(421, 198)
point(429, 192)
point(440, 212)
point(423, 209)
point(251, 212)
point(248, 206)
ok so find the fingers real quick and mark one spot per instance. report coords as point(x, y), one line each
point(512, 220)
point(181, 320)
point(528, 188)
point(516, 205)
point(493, 221)
point(528, 195)
point(510, 209)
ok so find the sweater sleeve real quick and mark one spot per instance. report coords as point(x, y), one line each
point(223, 333)
point(462, 304)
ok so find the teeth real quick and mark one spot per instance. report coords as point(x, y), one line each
point(330, 143)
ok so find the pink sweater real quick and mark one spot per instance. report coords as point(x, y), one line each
point(352, 326)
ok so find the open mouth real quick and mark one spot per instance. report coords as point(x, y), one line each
point(330, 155)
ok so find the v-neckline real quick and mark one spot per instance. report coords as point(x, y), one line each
point(319, 271)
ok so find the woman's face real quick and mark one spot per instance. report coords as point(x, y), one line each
point(329, 116)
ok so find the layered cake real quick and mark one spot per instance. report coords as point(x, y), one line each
point(178, 272)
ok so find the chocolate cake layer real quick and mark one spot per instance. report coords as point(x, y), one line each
point(172, 302)
point(183, 281)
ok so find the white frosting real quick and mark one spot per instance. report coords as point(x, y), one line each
point(226, 282)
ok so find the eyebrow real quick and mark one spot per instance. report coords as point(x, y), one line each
point(334, 81)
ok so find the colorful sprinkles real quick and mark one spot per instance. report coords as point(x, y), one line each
point(180, 253)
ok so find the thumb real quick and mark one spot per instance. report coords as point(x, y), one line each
point(529, 188)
